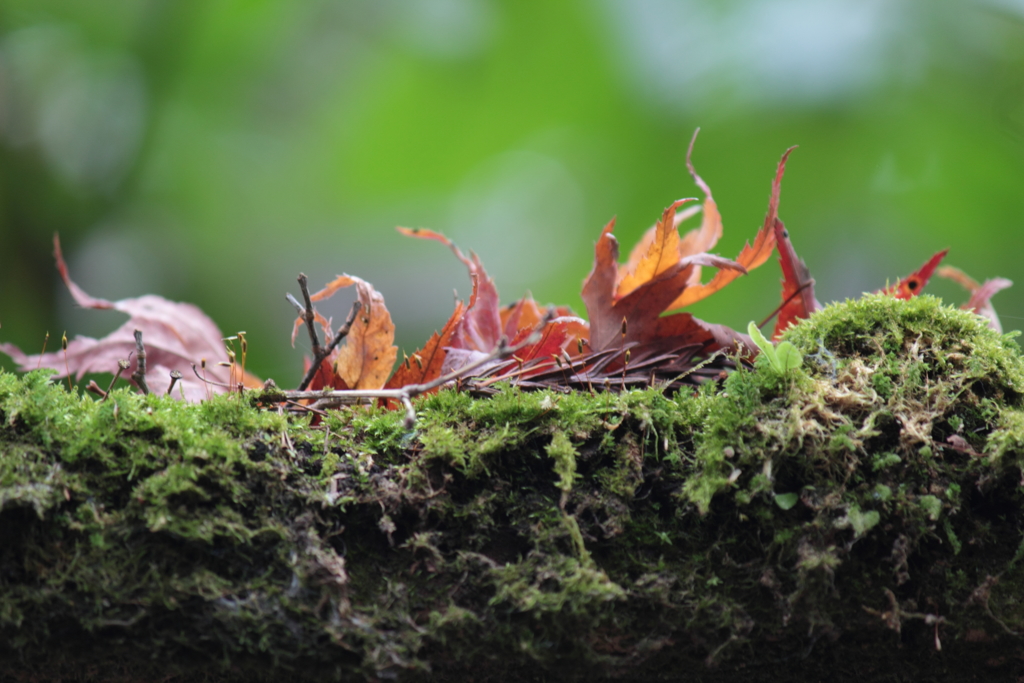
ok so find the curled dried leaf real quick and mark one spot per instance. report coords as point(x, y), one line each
point(178, 336)
point(366, 356)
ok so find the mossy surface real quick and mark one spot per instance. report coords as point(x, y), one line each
point(842, 519)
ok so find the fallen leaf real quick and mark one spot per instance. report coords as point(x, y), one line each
point(798, 300)
point(480, 328)
point(696, 241)
point(634, 317)
point(751, 256)
point(176, 336)
point(367, 355)
point(981, 295)
point(661, 254)
point(912, 285)
point(425, 365)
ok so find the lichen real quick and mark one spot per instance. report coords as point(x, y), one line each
point(871, 496)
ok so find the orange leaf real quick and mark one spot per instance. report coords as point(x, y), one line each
point(696, 241)
point(662, 253)
point(523, 314)
point(367, 355)
point(751, 256)
point(425, 365)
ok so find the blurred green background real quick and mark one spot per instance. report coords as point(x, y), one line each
point(209, 151)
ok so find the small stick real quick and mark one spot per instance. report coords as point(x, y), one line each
point(95, 388)
point(319, 356)
point(122, 365)
point(784, 303)
point(306, 312)
point(140, 363)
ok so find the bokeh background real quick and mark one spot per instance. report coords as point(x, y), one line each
point(210, 150)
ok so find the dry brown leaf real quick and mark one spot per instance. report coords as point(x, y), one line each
point(367, 355)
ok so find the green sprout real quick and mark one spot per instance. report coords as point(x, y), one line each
point(782, 357)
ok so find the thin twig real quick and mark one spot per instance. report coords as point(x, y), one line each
point(324, 352)
point(175, 376)
point(786, 302)
point(140, 363)
point(95, 388)
point(122, 365)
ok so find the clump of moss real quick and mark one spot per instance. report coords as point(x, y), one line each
point(870, 497)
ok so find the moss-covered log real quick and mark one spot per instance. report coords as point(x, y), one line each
point(859, 518)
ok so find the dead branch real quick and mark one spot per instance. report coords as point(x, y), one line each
point(139, 376)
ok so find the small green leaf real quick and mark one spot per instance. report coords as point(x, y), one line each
point(767, 348)
point(786, 500)
point(788, 356)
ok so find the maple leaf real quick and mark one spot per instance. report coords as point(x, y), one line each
point(635, 317)
point(751, 256)
point(660, 254)
point(981, 294)
point(911, 285)
point(480, 328)
point(177, 337)
point(656, 246)
point(367, 355)
point(426, 364)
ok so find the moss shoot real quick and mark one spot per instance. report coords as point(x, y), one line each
point(858, 517)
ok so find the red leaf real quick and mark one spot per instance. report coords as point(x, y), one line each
point(798, 300)
point(912, 285)
point(425, 365)
point(325, 377)
point(480, 328)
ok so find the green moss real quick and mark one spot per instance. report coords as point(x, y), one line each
point(533, 534)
